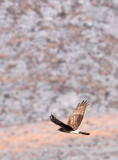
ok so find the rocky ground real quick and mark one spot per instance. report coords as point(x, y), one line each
point(54, 54)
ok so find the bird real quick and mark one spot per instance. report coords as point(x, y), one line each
point(74, 120)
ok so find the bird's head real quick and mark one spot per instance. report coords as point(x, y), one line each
point(51, 116)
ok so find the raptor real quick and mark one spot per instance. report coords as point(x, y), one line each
point(74, 120)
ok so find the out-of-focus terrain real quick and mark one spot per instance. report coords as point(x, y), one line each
point(42, 141)
point(54, 54)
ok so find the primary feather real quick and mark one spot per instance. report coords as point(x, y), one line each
point(60, 123)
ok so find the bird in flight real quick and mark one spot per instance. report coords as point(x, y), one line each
point(74, 120)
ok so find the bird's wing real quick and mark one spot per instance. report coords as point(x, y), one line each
point(59, 123)
point(76, 117)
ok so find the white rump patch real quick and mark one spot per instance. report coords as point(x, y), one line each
point(75, 132)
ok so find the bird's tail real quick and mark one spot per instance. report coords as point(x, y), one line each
point(85, 133)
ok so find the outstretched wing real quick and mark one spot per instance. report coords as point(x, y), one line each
point(76, 117)
point(59, 123)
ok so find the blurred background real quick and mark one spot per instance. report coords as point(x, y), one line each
point(53, 55)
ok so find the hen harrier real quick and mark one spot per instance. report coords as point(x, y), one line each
point(74, 120)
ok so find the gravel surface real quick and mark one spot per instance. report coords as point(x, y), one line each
point(42, 141)
point(54, 54)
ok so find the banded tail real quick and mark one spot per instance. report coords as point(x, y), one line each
point(85, 133)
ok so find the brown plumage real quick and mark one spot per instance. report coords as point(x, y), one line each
point(74, 120)
point(76, 117)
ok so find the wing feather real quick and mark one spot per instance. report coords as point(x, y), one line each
point(76, 117)
point(59, 123)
